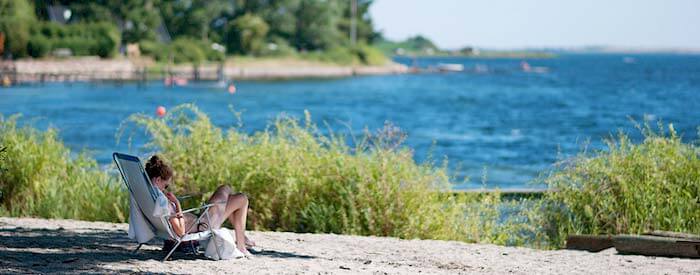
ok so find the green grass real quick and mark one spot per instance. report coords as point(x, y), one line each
point(627, 188)
point(40, 177)
point(302, 181)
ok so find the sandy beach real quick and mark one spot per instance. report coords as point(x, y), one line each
point(29, 245)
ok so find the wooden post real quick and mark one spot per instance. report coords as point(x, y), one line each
point(195, 72)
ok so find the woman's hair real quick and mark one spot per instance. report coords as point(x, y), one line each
point(156, 167)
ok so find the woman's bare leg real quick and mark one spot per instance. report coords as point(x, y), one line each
point(238, 207)
point(235, 210)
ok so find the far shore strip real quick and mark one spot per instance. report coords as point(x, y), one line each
point(96, 69)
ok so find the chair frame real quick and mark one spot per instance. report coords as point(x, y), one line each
point(206, 234)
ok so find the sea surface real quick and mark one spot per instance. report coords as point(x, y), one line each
point(497, 124)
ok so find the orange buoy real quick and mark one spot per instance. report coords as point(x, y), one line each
point(231, 89)
point(160, 111)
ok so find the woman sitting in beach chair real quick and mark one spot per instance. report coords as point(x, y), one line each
point(233, 207)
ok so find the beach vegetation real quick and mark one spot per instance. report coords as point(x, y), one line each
point(41, 177)
point(304, 179)
point(627, 188)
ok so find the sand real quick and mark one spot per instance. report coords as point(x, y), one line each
point(30, 245)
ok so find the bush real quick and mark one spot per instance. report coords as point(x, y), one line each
point(369, 55)
point(187, 50)
point(210, 53)
point(361, 54)
point(101, 38)
point(627, 189)
point(183, 50)
point(77, 45)
point(39, 46)
point(107, 39)
point(39, 177)
point(157, 50)
point(338, 55)
point(280, 48)
point(16, 36)
point(302, 181)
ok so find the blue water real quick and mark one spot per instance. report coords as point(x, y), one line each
point(497, 122)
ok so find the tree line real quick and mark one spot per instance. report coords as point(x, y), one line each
point(242, 27)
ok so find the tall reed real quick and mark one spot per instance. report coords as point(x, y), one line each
point(626, 188)
point(40, 177)
point(300, 180)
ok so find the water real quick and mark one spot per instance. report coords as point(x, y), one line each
point(494, 121)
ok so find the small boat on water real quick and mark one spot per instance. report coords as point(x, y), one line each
point(525, 67)
point(450, 67)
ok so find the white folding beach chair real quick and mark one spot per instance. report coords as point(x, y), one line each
point(143, 193)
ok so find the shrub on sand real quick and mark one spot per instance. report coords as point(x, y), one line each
point(300, 180)
point(627, 189)
point(40, 177)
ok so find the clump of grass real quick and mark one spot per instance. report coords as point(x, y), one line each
point(39, 177)
point(628, 188)
point(300, 180)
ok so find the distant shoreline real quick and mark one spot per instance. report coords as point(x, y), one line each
point(95, 69)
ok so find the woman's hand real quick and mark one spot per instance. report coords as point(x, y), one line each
point(177, 222)
point(171, 197)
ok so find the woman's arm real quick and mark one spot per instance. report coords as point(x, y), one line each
point(177, 221)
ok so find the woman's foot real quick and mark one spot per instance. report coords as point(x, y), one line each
point(245, 252)
point(249, 243)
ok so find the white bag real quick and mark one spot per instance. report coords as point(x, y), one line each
point(223, 240)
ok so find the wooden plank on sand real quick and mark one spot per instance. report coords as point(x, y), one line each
point(686, 236)
point(591, 243)
point(657, 246)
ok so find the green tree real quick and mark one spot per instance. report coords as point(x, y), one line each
point(16, 19)
point(365, 26)
point(317, 25)
point(280, 15)
point(201, 19)
point(139, 19)
point(246, 34)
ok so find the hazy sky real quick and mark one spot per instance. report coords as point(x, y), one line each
point(543, 23)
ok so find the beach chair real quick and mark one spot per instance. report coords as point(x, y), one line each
point(144, 195)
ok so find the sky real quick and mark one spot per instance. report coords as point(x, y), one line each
point(452, 24)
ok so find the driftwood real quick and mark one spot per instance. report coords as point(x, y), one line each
point(592, 243)
point(686, 236)
point(655, 243)
point(657, 246)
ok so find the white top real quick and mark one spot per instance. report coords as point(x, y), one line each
point(139, 229)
